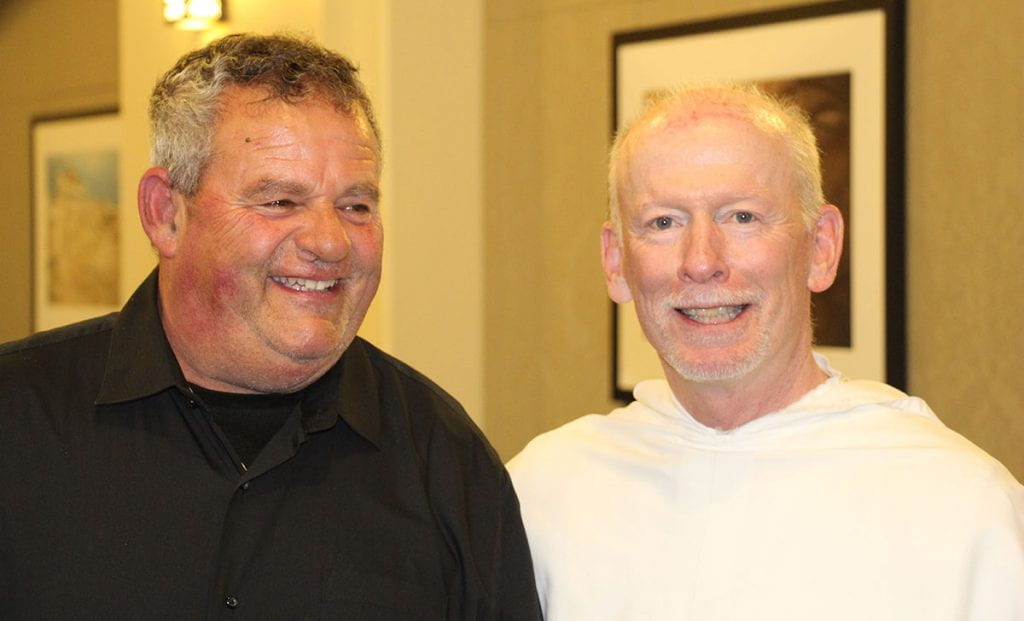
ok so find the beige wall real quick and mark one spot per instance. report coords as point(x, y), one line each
point(965, 236)
point(433, 192)
point(547, 85)
point(59, 57)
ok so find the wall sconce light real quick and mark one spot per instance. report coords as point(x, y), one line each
point(193, 14)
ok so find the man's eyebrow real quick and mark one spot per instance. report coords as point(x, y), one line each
point(262, 188)
point(268, 186)
point(363, 190)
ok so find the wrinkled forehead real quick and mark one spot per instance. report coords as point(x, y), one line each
point(704, 158)
point(256, 100)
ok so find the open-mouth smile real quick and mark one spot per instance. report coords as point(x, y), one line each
point(305, 284)
point(712, 314)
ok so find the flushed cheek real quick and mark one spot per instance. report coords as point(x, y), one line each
point(189, 283)
point(194, 294)
point(223, 272)
point(242, 269)
point(225, 286)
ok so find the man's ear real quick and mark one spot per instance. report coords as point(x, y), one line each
point(611, 260)
point(159, 209)
point(827, 249)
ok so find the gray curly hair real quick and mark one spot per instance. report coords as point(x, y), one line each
point(183, 107)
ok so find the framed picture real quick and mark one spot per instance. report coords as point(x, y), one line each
point(842, 61)
point(75, 218)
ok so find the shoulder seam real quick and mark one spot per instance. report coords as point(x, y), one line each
point(375, 353)
point(62, 334)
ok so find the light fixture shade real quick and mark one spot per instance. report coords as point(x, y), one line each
point(193, 14)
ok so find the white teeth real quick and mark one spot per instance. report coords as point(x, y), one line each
point(304, 284)
point(716, 314)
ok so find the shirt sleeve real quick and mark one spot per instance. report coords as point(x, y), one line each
point(516, 588)
point(477, 508)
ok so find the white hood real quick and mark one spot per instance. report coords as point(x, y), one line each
point(833, 402)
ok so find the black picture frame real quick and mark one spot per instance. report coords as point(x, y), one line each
point(790, 45)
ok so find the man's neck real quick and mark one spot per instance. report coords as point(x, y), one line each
point(729, 404)
point(276, 376)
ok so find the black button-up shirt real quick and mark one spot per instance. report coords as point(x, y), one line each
point(378, 499)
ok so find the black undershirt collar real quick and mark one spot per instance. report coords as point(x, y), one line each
point(248, 421)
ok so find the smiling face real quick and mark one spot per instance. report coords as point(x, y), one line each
point(267, 271)
point(714, 251)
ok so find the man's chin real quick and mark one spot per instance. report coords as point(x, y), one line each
point(708, 369)
point(314, 351)
point(293, 370)
point(308, 339)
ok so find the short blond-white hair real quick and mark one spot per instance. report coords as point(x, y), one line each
point(775, 117)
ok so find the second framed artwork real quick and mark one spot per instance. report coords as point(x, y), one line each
point(75, 217)
point(842, 62)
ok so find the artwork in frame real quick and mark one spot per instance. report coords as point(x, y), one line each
point(843, 62)
point(75, 218)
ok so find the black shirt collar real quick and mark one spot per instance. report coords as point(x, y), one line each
point(141, 364)
point(350, 390)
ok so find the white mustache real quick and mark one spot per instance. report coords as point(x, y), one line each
point(713, 299)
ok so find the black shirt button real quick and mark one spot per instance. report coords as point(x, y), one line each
point(192, 403)
point(245, 486)
point(231, 602)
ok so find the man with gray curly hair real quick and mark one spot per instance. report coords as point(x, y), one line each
point(226, 445)
point(754, 481)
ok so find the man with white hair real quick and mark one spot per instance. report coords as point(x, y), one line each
point(755, 481)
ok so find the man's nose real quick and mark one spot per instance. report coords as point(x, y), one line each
point(323, 235)
point(703, 247)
